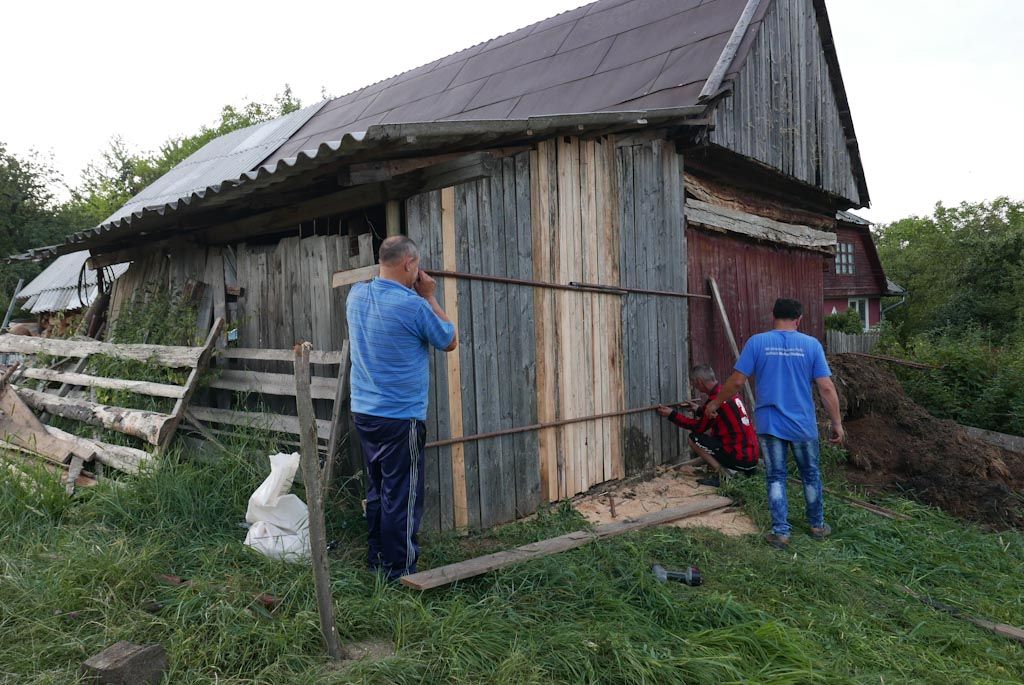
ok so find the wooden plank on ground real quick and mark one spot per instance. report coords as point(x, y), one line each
point(446, 575)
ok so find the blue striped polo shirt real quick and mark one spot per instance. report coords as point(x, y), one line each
point(390, 329)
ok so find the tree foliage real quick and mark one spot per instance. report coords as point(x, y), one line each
point(962, 265)
point(120, 174)
point(32, 215)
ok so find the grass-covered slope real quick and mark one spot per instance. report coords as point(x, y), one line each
point(79, 575)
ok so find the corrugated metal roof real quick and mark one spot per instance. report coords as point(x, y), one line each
point(56, 288)
point(222, 158)
point(851, 218)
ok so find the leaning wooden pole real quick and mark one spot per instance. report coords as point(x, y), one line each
point(311, 478)
point(724, 316)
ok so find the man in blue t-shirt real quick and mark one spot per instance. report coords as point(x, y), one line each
point(393, 321)
point(784, 362)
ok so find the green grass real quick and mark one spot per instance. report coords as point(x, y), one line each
point(78, 575)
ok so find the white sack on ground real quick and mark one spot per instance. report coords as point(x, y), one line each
point(279, 520)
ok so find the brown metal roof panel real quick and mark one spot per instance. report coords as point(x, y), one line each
point(689, 64)
point(592, 93)
point(674, 32)
point(496, 110)
point(529, 78)
point(413, 89)
point(435, 107)
point(609, 19)
point(528, 49)
point(670, 97)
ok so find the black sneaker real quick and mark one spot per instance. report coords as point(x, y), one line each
point(711, 481)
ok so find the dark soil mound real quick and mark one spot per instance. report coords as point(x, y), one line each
point(894, 443)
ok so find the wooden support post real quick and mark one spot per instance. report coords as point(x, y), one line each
point(311, 478)
point(336, 411)
point(724, 316)
point(393, 217)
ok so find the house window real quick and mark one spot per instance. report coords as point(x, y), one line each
point(860, 305)
point(844, 258)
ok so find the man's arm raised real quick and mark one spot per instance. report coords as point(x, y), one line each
point(729, 389)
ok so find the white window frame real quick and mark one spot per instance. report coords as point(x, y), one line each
point(844, 259)
point(860, 305)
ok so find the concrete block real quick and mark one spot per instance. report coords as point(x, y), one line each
point(125, 663)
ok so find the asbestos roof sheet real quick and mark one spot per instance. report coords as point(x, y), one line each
point(56, 288)
point(222, 158)
point(851, 218)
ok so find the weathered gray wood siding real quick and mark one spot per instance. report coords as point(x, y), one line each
point(496, 349)
point(655, 337)
point(783, 109)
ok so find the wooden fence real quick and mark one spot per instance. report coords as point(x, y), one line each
point(838, 343)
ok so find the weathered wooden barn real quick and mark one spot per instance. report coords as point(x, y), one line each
point(628, 143)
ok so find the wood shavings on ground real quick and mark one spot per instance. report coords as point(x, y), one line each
point(671, 488)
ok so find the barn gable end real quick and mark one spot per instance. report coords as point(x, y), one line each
point(788, 106)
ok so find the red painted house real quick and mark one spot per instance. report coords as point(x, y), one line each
point(855, 279)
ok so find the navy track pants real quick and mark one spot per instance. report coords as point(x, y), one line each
point(393, 455)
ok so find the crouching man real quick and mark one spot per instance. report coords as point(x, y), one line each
point(726, 441)
point(393, 321)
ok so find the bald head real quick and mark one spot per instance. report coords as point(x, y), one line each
point(396, 249)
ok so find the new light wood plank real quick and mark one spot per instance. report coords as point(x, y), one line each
point(363, 273)
point(445, 575)
point(540, 213)
point(449, 248)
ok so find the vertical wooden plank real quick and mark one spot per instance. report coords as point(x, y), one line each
point(604, 334)
point(592, 390)
point(614, 305)
point(567, 174)
point(632, 435)
point(493, 493)
point(518, 184)
point(543, 301)
point(393, 217)
point(430, 210)
point(496, 246)
point(465, 211)
point(431, 517)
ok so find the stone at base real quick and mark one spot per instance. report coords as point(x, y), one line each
point(125, 663)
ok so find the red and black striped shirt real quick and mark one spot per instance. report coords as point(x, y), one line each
point(732, 426)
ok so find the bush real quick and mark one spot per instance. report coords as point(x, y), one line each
point(848, 322)
point(978, 383)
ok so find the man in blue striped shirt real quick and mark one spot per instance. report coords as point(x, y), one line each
point(393, 321)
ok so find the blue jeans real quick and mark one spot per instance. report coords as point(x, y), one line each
point(774, 451)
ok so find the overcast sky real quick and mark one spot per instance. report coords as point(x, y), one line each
point(936, 86)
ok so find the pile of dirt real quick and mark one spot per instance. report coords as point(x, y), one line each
point(895, 443)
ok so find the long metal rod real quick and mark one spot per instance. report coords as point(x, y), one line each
point(573, 286)
point(549, 424)
point(10, 307)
